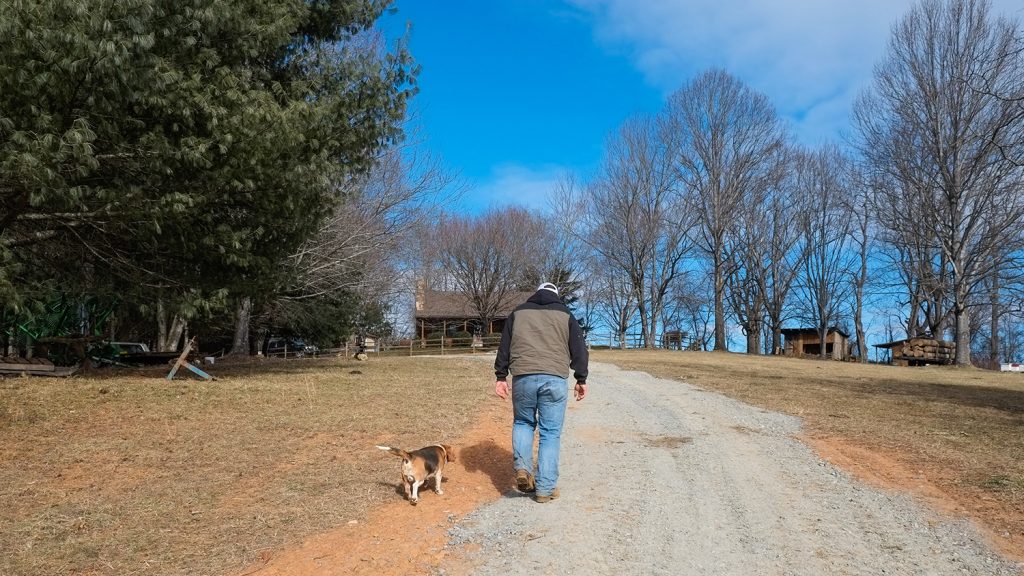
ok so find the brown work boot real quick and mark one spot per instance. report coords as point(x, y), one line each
point(542, 498)
point(524, 481)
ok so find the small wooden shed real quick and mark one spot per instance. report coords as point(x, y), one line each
point(804, 342)
point(920, 351)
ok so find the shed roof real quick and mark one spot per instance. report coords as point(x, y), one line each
point(795, 331)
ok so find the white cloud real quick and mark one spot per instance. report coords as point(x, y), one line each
point(514, 184)
point(810, 57)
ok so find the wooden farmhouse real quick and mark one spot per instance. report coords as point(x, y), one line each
point(451, 312)
point(920, 351)
point(804, 342)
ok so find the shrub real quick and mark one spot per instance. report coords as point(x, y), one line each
point(463, 338)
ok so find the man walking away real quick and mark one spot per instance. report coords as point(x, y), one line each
point(541, 346)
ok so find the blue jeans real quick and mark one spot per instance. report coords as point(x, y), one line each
point(538, 403)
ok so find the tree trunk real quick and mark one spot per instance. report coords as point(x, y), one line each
point(858, 313)
point(261, 336)
point(652, 330)
point(167, 336)
point(993, 343)
point(913, 323)
point(178, 327)
point(720, 339)
point(858, 325)
point(963, 334)
point(644, 336)
point(754, 339)
point(240, 343)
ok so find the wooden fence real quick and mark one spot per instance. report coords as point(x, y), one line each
point(489, 344)
point(421, 347)
point(671, 340)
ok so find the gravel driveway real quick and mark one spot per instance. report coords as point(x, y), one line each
point(659, 477)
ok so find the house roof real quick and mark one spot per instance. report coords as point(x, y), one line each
point(794, 331)
point(437, 304)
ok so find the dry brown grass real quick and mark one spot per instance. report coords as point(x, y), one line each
point(126, 473)
point(961, 429)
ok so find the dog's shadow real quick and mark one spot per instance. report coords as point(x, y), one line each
point(491, 459)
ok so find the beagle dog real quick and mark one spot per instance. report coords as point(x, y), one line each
point(421, 465)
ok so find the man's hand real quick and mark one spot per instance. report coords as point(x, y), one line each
point(501, 389)
point(580, 390)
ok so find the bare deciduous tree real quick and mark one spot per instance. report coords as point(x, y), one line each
point(728, 140)
point(824, 181)
point(617, 308)
point(861, 235)
point(925, 125)
point(693, 310)
point(784, 253)
point(487, 257)
point(747, 274)
point(637, 222)
point(560, 255)
point(762, 251)
point(915, 266)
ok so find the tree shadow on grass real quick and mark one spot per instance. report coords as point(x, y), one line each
point(987, 397)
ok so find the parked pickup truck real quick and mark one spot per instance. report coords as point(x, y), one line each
point(130, 347)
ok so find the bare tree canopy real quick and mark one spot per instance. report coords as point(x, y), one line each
point(638, 224)
point(488, 257)
point(728, 143)
point(824, 180)
point(942, 147)
point(766, 257)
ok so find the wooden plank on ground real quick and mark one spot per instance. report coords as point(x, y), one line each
point(12, 367)
point(59, 371)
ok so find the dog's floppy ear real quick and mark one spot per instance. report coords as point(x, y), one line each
point(449, 454)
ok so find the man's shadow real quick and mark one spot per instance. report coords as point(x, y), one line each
point(493, 460)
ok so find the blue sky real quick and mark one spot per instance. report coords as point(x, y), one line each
point(516, 93)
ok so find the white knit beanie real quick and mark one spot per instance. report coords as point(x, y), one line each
point(548, 286)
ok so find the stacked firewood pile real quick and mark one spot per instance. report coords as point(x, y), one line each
point(925, 350)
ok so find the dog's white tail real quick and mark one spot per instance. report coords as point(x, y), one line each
point(396, 451)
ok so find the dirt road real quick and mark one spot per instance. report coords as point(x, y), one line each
point(659, 477)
